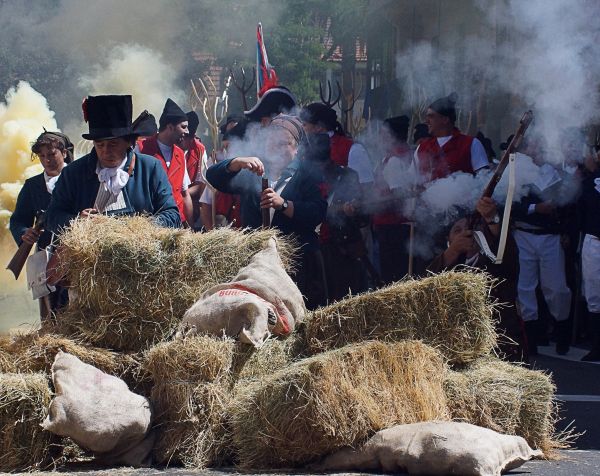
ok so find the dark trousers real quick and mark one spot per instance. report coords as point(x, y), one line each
point(310, 278)
point(343, 271)
point(393, 251)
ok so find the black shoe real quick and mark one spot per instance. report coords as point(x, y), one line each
point(562, 348)
point(562, 332)
point(592, 356)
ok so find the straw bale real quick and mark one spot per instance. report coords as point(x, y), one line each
point(24, 400)
point(250, 363)
point(451, 311)
point(191, 423)
point(506, 398)
point(193, 359)
point(35, 353)
point(135, 280)
point(336, 399)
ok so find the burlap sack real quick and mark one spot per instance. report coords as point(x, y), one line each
point(435, 448)
point(261, 300)
point(98, 412)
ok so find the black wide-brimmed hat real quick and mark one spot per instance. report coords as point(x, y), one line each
point(319, 114)
point(446, 106)
point(193, 122)
point(172, 114)
point(108, 116)
point(274, 101)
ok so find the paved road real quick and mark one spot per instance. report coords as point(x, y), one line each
point(578, 391)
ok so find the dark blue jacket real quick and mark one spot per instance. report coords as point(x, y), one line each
point(148, 191)
point(33, 197)
point(303, 190)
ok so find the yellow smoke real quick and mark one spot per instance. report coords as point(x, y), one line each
point(23, 116)
point(137, 70)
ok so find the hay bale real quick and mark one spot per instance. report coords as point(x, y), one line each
point(135, 280)
point(35, 353)
point(506, 398)
point(336, 399)
point(250, 363)
point(450, 311)
point(24, 400)
point(191, 421)
point(194, 359)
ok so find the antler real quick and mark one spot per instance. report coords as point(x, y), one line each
point(327, 101)
point(241, 86)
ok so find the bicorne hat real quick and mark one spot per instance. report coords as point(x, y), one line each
point(108, 116)
point(274, 101)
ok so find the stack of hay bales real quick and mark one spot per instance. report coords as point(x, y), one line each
point(134, 280)
point(416, 350)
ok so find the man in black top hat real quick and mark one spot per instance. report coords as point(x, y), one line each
point(195, 157)
point(111, 179)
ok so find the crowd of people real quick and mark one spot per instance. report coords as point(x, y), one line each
point(351, 213)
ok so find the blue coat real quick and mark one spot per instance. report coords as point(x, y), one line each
point(33, 197)
point(147, 191)
point(303, 190)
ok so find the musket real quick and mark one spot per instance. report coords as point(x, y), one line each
point(20, 257)
point(266, 212)
point(516, 141)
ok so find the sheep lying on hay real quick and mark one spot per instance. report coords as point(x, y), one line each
point(335, 399)
point(134, 280)
point(450, 311)
point(505, 398)
point(24, 401)
point(190, 395)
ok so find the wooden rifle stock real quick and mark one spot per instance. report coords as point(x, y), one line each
point(20, 257)
point(266, 212)
point(488, 191)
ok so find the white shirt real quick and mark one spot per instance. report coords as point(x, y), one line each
point(167, 153)
point(479, 158)
point(50, 182)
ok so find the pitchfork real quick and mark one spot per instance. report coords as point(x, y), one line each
point(327, 101)
point(242, 87)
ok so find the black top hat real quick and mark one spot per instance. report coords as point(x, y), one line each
point(446, 106)
point(398, 126)
point(274, 101)
point(172, 114)
point(193, 122)
point(108, 116)
point(319, 113)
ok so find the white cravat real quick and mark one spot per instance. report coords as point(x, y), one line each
point(50, 182)
point(115, 178)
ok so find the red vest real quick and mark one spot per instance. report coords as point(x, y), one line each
point(194, 159)
point(175, 172)
point(438, 162)
point(388, 215)
point(340, 148)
